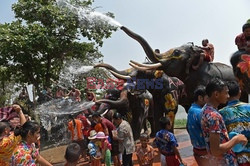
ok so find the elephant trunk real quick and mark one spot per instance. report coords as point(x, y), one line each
point(111, 68)
point(123, 102)
point(146, 47)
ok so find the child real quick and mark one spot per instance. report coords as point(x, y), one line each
point(145, 152)
point(72, 154)
point(94, 151)
point(167, 143)
point(105, 147)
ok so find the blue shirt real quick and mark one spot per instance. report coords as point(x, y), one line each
point(236, 116)
point(165, 141)
point(194, 126)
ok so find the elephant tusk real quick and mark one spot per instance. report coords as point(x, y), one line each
point(138, 67)
point(144, 66)
point(120, 75)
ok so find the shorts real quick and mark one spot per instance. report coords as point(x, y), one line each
point(115, 148)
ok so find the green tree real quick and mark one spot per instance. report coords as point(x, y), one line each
point(34, 47)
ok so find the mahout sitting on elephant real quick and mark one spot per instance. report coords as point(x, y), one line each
point(173, 62)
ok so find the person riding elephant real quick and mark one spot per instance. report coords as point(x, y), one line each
point(167, 92)
point(173, 62)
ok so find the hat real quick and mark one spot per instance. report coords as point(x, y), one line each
point(101, 135)
point(92, 134)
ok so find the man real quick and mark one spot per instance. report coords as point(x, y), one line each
point(213, 127)
point(236, 117)
point(75, 94)
point(194, 126)
point(207, 54)
point(242, 39)
point(125, 138)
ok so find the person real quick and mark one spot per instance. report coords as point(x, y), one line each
point(105, 147)
point(108, 127)
point(26, 152)
point(90, 96)
point(94, 151)
point(8, 141)
point(72, 154)
point(23, 95)
point(75, 127)
point(206, 55)
point(194, 126)
point(145, 153)
point(236, 117)
point(125, 137)
point(167, 144)
point(242, 39)
point(60, 93)
point(75, 94)
point(213, 127)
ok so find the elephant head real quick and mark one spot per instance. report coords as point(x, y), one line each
point(176, 61)
point(240, 61)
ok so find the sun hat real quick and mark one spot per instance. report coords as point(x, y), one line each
point(92, 134)
point(101, 135)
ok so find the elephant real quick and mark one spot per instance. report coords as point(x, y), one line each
point(176, 61)
point(240, 61)
point(167, 91)
point(135, 113)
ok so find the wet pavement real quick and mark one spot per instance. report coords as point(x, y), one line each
point(185, 149)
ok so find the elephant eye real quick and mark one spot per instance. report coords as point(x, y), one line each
point(176, 53)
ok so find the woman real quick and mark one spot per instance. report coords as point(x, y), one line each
point(26, 152)
point(8, 141)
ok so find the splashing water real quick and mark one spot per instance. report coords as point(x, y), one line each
point(54, 117)
point(87, 15)
point(71, 72)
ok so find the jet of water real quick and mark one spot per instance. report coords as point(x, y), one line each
point(88, 15)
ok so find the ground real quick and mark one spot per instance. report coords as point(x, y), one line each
point(56, 155)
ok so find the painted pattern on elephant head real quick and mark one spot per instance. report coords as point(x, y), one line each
point(244, 65)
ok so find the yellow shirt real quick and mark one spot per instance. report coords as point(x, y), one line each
point(7, 146)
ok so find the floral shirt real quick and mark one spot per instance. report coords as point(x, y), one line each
point(212, 122)
point(124, 132)
point(145, 155)
point(25, 154)
point(236, 117)
point(165, 141)
point(194, 126)
point(7, 146)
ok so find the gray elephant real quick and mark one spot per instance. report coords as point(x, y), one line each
point(175, 61)
point(167, 91)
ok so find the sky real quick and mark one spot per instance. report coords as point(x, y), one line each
point(166, 24)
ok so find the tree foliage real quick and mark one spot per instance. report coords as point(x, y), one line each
point(34, 47)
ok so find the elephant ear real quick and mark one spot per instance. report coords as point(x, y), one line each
point(193, 57)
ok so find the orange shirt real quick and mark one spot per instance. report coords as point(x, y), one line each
point(76, 132)
point(98, 127)
point(209, 54)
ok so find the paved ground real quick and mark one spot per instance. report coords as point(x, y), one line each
point(55, 155)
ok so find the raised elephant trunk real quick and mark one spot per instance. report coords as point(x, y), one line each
point(146, 47)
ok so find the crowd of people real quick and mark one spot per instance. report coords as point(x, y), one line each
point(215, 113)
